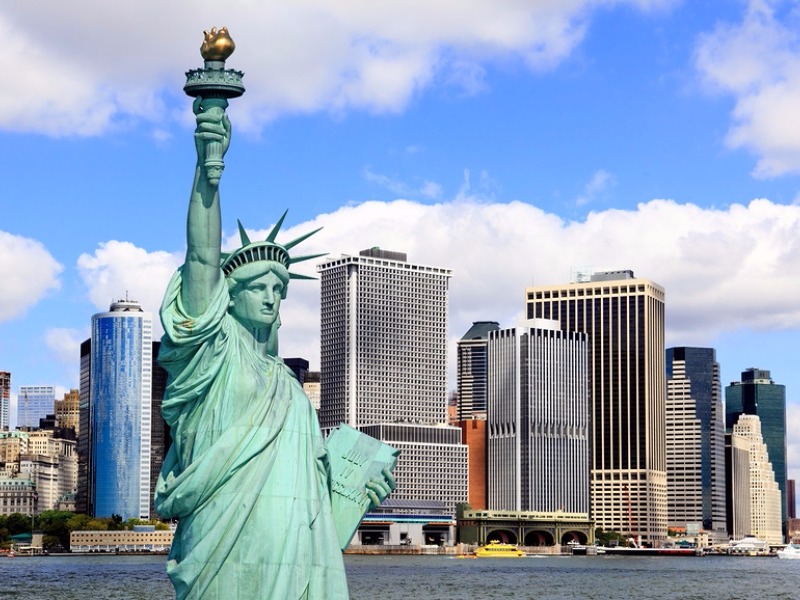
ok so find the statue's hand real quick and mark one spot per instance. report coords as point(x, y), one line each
point(378, 488)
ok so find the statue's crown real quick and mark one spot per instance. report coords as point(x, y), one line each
point(269, 250)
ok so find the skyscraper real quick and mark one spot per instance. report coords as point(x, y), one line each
point(695, 441)
point(538, 419)
point(34, 402)
point(120, 411)
point(5, 399)
point(383, 340)
point(67, 411)
point(623, 318)
point(472, 370)
point(384, 366)
point(757, 394)
point(765, 496)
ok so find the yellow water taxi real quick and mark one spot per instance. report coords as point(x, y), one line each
point(495, 549)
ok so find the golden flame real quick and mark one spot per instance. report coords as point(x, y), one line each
point(217, 45)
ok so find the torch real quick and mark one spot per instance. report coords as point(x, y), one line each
point(213, 85)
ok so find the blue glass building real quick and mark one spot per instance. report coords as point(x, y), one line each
point(121, 411)
point(35, 402)
point(757, 394)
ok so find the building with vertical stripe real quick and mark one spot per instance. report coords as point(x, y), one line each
point(538, 425)
point(623, 318)
point(121, 411)
point(383, 362)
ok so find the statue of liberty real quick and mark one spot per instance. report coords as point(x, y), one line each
point(248, 475)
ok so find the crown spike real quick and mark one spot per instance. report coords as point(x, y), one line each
point(297, 259)
point(243, 234)
point(273, 234)
point(298, 276)
point(294, 243)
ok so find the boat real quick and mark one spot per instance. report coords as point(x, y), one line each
point(495, 549)
point(791, 551)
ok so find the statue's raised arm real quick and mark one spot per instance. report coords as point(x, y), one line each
point(203, 225)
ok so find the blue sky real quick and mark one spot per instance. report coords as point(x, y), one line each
point(513, 142)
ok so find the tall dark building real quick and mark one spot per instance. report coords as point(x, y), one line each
point(84, 503)
point(623, 318)
point(757, 394)
point(472, 370)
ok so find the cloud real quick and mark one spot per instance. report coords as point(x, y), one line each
point(756, 61)
point(119, 269)
point(29, 273)
point(600, 182)
point(115, 65)
point(424, 189)
point(722, 269)
point(64, 344)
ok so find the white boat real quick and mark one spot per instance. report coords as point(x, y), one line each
point(791, 551)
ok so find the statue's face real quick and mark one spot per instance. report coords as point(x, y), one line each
point(256, 302)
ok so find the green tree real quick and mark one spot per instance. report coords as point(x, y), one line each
point(18, 523)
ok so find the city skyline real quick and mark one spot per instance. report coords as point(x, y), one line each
point(512, 144)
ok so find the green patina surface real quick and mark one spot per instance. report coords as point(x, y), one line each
point(248, 476)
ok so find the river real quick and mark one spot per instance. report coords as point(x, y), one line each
point(437, 578)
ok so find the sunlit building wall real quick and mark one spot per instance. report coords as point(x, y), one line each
point(538, 425)
point(623, 317)
point(765, 495)
point(695, 441)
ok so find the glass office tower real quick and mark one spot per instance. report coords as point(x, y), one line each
point(120, 430)
point(757, 394)
point(35, 402)
point(695, 441)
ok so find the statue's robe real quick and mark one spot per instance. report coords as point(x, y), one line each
point(247, 474)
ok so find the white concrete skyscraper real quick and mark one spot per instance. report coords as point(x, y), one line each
point(695, 441)
point(765, 495)
point(384, 366)
point(538, 424)
point(623, 318)
point(120, 411)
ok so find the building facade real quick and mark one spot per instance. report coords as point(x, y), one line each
point(737, 486)
point(5, 400)
point(757, 394)
point(34, 402)
point(383, 362)
point(623, 317)
point(121, 411)
point(383, 340)
point(472, 370)
point(764, 494)
point(695, 441)
point(538, 425)
point(67, 411)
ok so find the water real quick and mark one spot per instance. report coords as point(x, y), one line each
point(437, 578)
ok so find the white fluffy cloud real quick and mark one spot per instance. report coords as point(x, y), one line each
point(118, 270)
point(85, 66)
point(757, 61)
point(722, 269)
point(29, 272)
